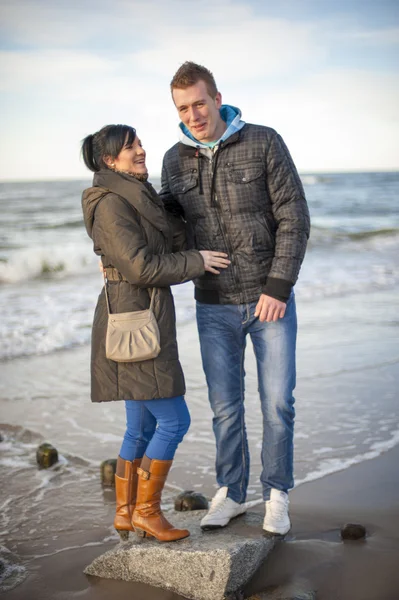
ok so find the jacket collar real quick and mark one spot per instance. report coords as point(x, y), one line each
point(229, 114)
point(140, 195)
point(185, 150)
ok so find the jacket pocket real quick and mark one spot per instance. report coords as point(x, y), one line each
point(244, 172)
point(184, 182)
point(264, 234)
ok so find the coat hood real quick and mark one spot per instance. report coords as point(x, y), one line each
point(90, 199)
point(140, 195)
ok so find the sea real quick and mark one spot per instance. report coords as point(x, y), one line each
point(49, 276)
point(348, 346)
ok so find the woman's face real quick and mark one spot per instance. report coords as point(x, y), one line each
point(131, 159)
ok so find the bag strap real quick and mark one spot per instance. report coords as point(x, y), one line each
point(107, 299)
point(106, 293)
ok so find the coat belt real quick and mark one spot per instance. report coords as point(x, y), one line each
point(114, 275)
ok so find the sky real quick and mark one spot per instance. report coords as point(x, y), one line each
point(324, 74)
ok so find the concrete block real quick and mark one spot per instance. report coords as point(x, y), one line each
point(279, 594)
point(211, 565)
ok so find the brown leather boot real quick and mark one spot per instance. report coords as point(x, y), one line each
point(148, 519)
point(126, 491)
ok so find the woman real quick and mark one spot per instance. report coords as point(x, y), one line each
point(133, 235)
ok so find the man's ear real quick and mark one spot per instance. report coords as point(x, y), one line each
point(218, 100)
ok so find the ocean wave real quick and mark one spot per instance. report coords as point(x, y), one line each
point(44, 342)
point(333, 465)
point(73, 224)
point(314, 179)
point(364, 235)
point(21, 192)
point(33, 263)
point(384, 278)
point(61, 261)
point(324, 235)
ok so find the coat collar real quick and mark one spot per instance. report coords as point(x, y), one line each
point(140, 195)
point(185, 150)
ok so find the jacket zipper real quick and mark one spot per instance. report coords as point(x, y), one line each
point(198, 157)
point(215, 203)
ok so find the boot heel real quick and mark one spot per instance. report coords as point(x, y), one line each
point(124, 535)
point(140, 532)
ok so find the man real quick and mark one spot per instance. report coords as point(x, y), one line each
point(238, 190)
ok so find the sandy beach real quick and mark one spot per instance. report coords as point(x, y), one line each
point(57, 521)
point(312, 557)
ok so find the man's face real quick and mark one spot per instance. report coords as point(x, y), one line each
point(200, 112)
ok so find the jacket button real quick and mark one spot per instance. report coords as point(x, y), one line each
point(184, 189)
point(244, 178)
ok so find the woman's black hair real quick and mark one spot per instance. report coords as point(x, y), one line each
point(109, 141)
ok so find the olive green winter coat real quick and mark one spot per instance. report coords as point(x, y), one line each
point(134, 235)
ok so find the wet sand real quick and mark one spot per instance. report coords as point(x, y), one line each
point(58, 521)
point(315, 558)
point(312, 557)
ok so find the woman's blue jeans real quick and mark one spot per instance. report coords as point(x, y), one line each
point(222, 331)
point(154, 427)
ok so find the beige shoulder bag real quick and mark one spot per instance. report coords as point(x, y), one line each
point(131, 336)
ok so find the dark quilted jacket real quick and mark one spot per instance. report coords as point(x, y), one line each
point(248, 201)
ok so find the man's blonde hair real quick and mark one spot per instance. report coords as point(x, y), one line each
point(189, 74)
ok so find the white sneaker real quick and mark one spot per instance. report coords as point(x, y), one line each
point(276, 518)
point(222, 510)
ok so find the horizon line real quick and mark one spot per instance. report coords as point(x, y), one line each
point(158, 176)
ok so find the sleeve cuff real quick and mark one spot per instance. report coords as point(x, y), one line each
point(278, 288)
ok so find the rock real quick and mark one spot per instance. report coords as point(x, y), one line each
point(46, 455)
point(1, 438)
point(108, 470)
point(353, 531)
point(205, 566)
point(190, 500)
point(276, 594)
point(303, 596)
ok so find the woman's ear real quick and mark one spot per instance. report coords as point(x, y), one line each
point(109, 161)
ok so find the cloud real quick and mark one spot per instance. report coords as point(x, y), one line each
point(335, 120)
point(380, 37)
point(250, 49)
point(67, 68)
point(338, 120)
point(240, 44)
point(57, 69)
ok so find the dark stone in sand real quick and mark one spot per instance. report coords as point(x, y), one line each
point(108, 470)
point(353, 531)
point(1, 438)
point(190, 500)
point(46, 455)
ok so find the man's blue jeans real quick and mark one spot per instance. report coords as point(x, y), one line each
point(222, 332)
